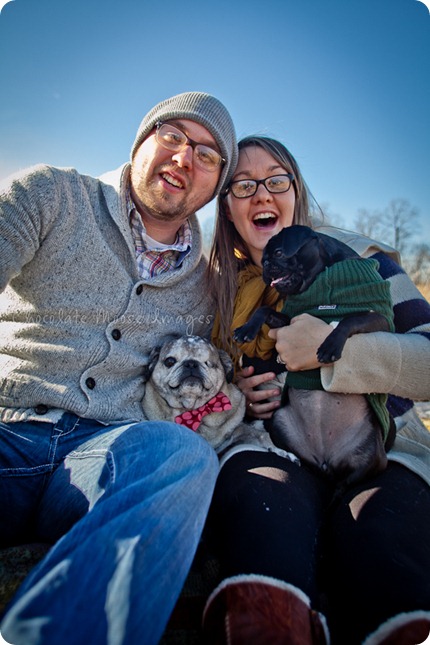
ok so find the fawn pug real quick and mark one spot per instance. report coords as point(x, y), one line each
point(189, 381)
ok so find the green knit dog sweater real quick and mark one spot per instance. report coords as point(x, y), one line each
point(347, 287)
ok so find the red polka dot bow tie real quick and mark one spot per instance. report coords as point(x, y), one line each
point(192, 418)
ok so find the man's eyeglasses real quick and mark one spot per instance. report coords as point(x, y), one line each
point(248, 187)
point(171, 138)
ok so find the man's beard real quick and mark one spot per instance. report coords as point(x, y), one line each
point(152, 200)
point(162, 208)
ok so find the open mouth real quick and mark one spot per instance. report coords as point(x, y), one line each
point(288, 284)
point(284, 279)
point(264, 220)
point(172, 181)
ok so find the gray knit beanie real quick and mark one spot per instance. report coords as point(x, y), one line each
point(206, 110)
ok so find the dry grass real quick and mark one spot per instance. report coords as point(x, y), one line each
point(425, 290)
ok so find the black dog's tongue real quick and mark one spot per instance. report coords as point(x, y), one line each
point(278, 280)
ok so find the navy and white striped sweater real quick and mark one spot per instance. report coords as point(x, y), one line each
point(409, 316)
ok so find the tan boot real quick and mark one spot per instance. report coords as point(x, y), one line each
point(251, 609)
point(404, 629)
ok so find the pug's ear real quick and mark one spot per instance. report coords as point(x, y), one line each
point(148, 368)
point(154, 355)
point(227, 364)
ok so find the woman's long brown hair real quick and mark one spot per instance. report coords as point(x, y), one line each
point(229, 252)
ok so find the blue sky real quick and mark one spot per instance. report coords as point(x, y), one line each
point(345, 84)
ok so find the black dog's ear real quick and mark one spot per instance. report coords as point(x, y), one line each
point(333, 250)
point(148, 368)
point(227, 364)
point(324, 252)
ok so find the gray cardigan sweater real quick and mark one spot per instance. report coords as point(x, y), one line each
point(76, 320)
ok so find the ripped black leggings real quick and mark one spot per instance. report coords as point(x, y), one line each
point(361, 560)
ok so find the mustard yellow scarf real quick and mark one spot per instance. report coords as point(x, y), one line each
point(251, 294)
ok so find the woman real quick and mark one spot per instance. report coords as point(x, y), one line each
point(297, 566)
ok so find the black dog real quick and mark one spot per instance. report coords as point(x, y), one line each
point(340, 434)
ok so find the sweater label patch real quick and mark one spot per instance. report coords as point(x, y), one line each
point(321, 307)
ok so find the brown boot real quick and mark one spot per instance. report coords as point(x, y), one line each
point(404, 629)
point(251, 609)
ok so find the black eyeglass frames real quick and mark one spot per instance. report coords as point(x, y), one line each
point(248, 187)
point(172, 138)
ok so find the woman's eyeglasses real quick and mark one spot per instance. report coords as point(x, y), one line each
point(248, 187)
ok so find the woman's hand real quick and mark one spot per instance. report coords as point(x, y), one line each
point(247, 382)
point(297, 343)
point(297, 346)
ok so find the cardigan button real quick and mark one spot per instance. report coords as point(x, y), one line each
point(90, 383)
point(116, 334)
point(41, 408)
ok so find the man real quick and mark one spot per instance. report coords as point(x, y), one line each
point(93, 272)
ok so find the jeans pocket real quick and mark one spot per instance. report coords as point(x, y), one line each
point(25, 467)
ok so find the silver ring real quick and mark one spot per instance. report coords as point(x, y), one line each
point(279, 360)
point(250, 404)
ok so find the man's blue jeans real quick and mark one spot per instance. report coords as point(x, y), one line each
point(130, 502)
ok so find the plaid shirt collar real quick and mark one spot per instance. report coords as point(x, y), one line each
point(153, 260)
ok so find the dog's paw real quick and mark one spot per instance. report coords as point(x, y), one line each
point(329, 351)
point(244, 334)
point(288, 455)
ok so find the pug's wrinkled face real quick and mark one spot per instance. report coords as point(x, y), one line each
point(187, 372)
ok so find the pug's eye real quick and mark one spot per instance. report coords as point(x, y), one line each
point(278, 253)
point(169, 361)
